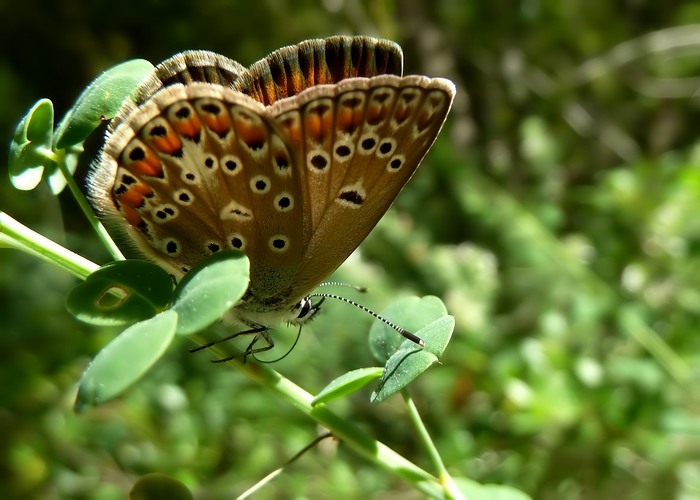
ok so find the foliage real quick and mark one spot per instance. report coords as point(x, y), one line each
point(554, 217)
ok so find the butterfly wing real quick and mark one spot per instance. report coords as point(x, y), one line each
point(358, 142)
point(291, 70)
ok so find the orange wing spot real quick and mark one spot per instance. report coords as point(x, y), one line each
point(424, 121)
point(314, 129)
point(188, 127)
point(376, 114)
point(131, 215)
point(220, 124)
point(144, 162)
point(292, 131)
point(253, 134)
point(134, 195)
point(402, 113)
point(169, 144)
point(318, 126)
point(132, 198)
point(348, 120)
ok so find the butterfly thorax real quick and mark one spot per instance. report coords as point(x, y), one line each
point(254, 313)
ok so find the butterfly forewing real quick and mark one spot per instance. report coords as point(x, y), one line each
point(290, 70)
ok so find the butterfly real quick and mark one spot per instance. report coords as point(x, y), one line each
point(292, 161)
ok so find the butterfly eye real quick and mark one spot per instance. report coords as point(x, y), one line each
point(305, 310)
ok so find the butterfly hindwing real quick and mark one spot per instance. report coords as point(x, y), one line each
point(198, 170)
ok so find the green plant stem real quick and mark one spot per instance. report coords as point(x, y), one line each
point(451, 490)
point(342, 429)
point(16, 235)
point(97, 226)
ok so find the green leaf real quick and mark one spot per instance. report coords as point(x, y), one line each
point(121, 292)
point(347, 384)
point(30, 149)
point(124, 360)
point(409, 360)
point(156, 485)
point(69, 156)
point(100, 101)
point(210, 289)
point(411, 313)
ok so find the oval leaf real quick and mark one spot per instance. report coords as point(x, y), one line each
point(100, 101)
point(410, 360)
point(124, 360)
point(121, 292)
point(411, 313)
point(69, 156)
point(210, 289)
point(347, 384)
point(30, 145)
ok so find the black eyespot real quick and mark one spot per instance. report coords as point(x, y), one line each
point(343, 151)
point(380, 97)
point(255, 145)
point(159, 131)
point(190, 176)
point(127, 179)
point(260, 185)
point(236, 242)
point(161, 214)
point(184, 197)
point(279, 243)
point(213, 109)
point(320, 110)
point(213, 247)
point(231, 165)
point(368, 144)
point(352, 102)
point(319, 162)
point(352, 197)
point(209, 162)
point(137, 154)
point(282, 162)
point(385, 148)
point(183, 112)
point(284, 202)
point(395, 164)
point(171, 247)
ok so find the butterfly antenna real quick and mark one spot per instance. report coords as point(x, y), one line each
point(361, 289)
point(283, 355)
point(402, 331)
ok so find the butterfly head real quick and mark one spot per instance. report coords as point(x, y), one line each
point(299, 314)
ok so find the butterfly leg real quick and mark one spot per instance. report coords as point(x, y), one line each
point(249, 351)
point(258, 330)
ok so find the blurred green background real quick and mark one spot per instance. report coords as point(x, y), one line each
point(557, 216)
